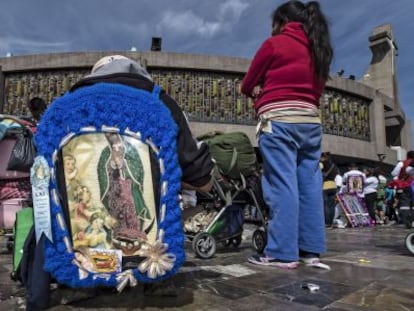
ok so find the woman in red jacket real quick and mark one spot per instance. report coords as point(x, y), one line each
point(286, 79)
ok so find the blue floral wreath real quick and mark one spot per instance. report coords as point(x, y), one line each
point(98, 108)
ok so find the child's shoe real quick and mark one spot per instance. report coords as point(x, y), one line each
point(268, 261)
point(315, 262)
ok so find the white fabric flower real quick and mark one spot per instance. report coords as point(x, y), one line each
point(157, 261)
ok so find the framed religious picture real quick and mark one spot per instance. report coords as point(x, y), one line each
point(110, 193)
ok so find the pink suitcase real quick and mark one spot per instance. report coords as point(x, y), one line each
point(8, 210)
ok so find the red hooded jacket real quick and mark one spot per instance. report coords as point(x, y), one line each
point(283, 67)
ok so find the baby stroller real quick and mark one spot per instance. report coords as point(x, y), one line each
point(17, 153)
point(220, 214)
point(236, 196)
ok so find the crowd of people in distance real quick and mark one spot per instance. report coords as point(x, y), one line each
point(386, 200)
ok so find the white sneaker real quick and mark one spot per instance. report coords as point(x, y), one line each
point(338, 223)
point(315, 262)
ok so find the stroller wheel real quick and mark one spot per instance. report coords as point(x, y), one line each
point(204, 245)
point(409, 242)
point(259, 240)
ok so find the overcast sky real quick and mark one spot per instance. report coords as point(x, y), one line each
point(222, 27)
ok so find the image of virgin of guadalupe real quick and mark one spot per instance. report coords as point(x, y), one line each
point(121, 176)
point(355, 184)
point(39, 176)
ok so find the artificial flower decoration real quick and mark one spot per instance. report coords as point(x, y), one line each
point(157, 261)
point(126, 278)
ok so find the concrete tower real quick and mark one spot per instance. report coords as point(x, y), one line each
point(382, 72)
point(382, 76)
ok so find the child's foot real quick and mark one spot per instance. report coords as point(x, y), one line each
point(268, 261)
point(315, 262)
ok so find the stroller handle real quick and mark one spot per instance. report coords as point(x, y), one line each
point(13, 118)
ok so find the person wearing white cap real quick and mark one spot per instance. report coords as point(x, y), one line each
point(118, 64)
point(195, 160)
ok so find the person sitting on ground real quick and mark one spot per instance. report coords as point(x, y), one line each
point(195, 161)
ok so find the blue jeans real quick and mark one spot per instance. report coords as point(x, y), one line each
point(292, 189)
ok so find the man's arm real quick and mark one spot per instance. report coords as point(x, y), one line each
point(194, 157)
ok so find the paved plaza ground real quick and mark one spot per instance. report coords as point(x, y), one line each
point(371, 270)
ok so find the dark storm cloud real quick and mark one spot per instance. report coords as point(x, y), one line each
point(223, 27)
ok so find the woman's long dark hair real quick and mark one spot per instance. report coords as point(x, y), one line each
point(315, 26)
